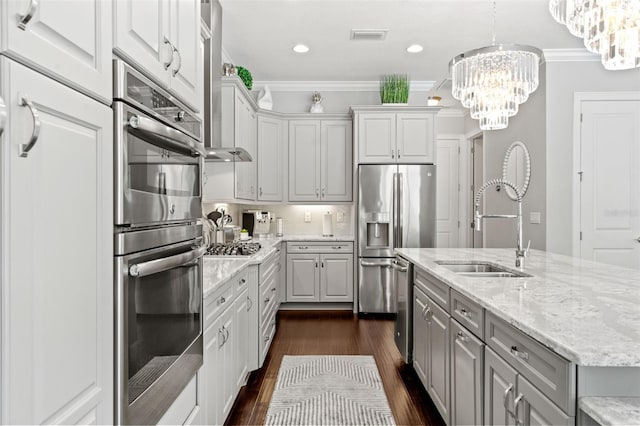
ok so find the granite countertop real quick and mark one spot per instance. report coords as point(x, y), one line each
point(610, 411)
point(220, 269)
point(586, 311)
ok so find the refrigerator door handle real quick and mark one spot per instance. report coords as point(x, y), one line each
point(375, 264)
point(394, 205)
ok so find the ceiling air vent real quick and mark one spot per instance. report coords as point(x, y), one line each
point(371, 35)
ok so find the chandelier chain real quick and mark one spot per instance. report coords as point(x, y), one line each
point(493, 28)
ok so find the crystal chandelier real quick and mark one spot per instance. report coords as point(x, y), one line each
point(610, 28)
point(492, 81)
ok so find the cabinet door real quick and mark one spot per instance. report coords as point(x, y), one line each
point(420, 331)
point(499, 390)
point(270, 159)
point(244, 115)
point(213, 373)
point(376, 138)
point(438, 358)
point(282, 270)
point(536, 409)
point(336, 162)
point(467, 354)
point(303, 278)
point(184, 34)
point(336, 278)
point(227, 362)
point(57, 319)
point(141, 37)
point(415, 138)
point(304, 160)
point(241, 350)
point(68, 40)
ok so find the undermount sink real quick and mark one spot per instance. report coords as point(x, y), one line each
point(480, 269)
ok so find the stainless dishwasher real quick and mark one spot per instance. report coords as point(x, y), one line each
point(403, 333)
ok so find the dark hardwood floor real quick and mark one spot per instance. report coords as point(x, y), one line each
point(337, 333)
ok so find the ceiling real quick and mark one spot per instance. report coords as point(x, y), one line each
point(259, 35)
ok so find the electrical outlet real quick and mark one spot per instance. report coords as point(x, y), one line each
point(307, 217)
point(340, 217)
point(534, 217)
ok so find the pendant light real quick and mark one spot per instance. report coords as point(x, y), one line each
point(610, 28)
point(492, 81)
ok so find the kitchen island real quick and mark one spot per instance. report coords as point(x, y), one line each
point(585, 315)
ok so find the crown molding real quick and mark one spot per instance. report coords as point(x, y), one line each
point(569, 55)
point(336, 86)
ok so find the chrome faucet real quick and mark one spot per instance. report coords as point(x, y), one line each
point(521, 252)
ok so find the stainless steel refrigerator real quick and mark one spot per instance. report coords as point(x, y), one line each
point(396, 208)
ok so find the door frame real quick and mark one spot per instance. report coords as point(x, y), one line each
point(466, 166)
point(578, 99)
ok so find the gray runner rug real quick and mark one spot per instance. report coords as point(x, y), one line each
point(329, 390)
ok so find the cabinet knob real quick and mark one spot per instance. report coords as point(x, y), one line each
point(520, 354)
point(242, 281)
point(222, 299)
point(260, 191)
point(460, 336)
point(464, 312)
point(266, 300)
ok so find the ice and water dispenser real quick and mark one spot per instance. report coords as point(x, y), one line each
point(378, 230)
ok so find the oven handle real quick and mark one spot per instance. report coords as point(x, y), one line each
point(160, 265)
point(165, 136)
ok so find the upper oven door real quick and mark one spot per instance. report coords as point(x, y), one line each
point(157, 171)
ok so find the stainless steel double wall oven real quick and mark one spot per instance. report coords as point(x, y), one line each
point(158, 247)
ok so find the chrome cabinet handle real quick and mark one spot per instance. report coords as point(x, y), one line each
point(24, 19)
point(316, 263)
point(226, 334)
point(464, 312)
point(322, 264)
point(273, 289)
point(393, 153)
point(460, 336)
point(317, 193)
point(426, 312)
point(222, 300)
point(516, 403)
point(266, 300)
point(322, 192)
point(507, 411)
point(266, 339)
point(398, 151)
point(520, 354)
point(173, 49)
point(3, 115)
point(174, 72)
point(220, 340)
point(242, 281)
point(160, 265)
point(25, 148)
point(250, 304)
point(260, 191)
point(395, 265)
point(336, 247)
point(252, 189)
point(638, 239)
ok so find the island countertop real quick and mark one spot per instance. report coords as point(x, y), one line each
point(586, 311)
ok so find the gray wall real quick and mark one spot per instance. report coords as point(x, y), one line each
point(563, 80)
point(527, 126)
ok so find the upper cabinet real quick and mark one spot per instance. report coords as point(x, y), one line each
point(320, 160)
point(161, 39)
point(69, 41)
point(396, 135)
point(271, 138)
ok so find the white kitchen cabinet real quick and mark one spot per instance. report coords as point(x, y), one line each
point(56, 208)
point(499, 390)
point(467, 364)
point(160, 38)
point(270, 159)
point(245, 174)
point(68, 40)
point(242, 306)
point(320, 160)
point(396, 135)
point(420, 335)
point(319, 272)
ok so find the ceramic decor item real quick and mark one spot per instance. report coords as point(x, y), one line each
point(316, 106)
point(265, 101)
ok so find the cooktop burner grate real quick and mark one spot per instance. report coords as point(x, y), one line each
point(233, 249)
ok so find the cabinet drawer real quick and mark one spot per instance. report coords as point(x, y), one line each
point(268, 266)
point(468, 313)
point(432, 287)
point(218, 302)
point(268, 297)
point(320, 247)
point(550, 373)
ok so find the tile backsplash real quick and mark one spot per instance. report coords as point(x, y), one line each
point(294, 215)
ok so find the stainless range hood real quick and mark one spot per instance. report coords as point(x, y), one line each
point(217, 149)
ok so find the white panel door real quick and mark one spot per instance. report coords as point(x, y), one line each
point(303, 278)
point(610, 189)
point(184, 34)
point(376, 138)
point(336, 278)
point(69, 40)
point(141, 37)
point(57, 254)
point(414, 138)
point(304, 160)
point(270, 159)
point(336, 161)
point(447, 194)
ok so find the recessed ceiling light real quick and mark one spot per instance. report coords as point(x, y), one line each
point(227, 160)
point(414, 48)
point(300, 48)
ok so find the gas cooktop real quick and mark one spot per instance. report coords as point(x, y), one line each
point(233, 249)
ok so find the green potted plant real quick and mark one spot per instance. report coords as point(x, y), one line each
point(394, 89)
point(245, 76)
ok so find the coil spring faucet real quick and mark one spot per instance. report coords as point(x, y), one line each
point(521, 252)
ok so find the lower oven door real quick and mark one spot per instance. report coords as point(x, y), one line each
point(159, 326)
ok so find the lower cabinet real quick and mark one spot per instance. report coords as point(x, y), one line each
point(319, 272)
point(467, 354)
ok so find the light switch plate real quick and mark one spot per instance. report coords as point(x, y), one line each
point(307, 217)
point(340, 217)
point(534, 217)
